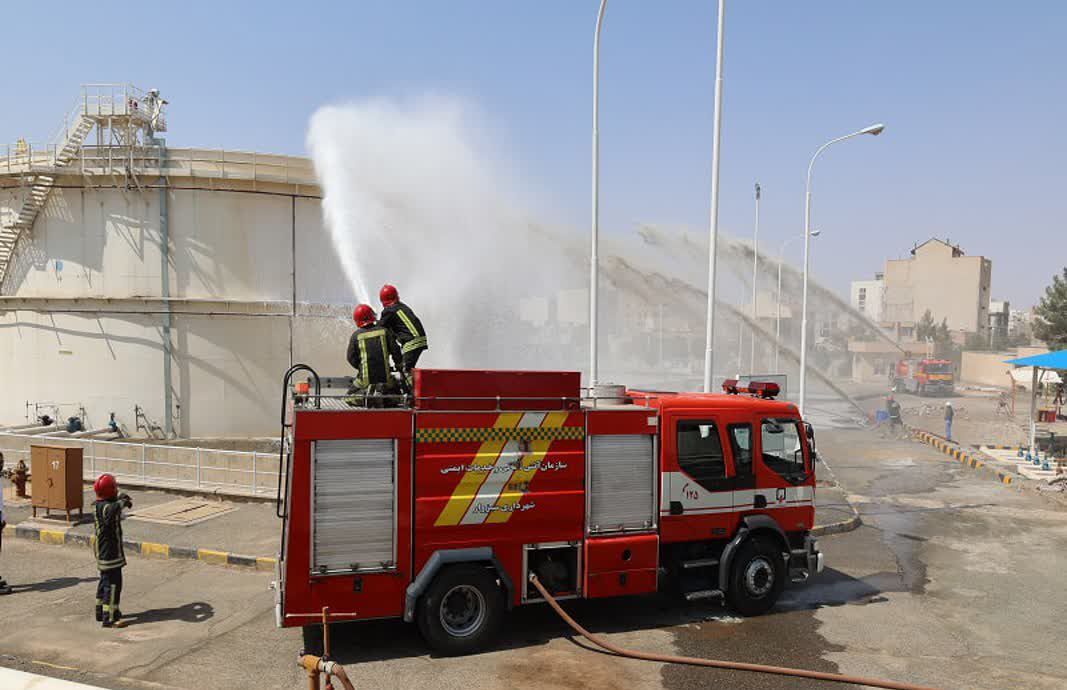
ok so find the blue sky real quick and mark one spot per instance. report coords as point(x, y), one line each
point(973, 94)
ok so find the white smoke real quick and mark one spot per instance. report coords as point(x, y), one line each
point(413, 197)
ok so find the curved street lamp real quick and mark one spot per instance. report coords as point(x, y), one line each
point(873, 130)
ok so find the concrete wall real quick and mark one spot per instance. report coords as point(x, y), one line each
point(951, 286)
point(873, 296)
point(99, 249)
point(989, 369)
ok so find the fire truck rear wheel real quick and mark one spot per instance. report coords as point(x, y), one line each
point(462, 609)
point(757, 577)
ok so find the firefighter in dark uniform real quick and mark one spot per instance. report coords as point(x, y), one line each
point(110, 558)
point(369, 352)
point(400, 319)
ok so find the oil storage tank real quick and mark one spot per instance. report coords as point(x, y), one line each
point(169, 286)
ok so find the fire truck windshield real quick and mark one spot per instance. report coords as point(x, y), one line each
point(939, 368)
point(781, 447)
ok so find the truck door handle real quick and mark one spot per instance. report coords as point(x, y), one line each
point(676, 508)
point(759, 501)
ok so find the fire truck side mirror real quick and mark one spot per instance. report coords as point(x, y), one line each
point(809, 431)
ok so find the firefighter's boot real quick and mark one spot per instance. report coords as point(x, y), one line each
point(113, 618)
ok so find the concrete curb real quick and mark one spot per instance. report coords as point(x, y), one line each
point(145, 549)
point(957, 452)
point(848, 525)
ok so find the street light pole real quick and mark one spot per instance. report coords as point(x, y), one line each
point(778, 316)
point(755, 267)
point(709, 354)
point(873, 130)
point(593, 257)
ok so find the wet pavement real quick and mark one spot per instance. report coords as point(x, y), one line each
point(952, 581)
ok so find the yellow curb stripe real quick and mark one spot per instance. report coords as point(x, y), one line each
point(153, 550)
point(49, 536)
point(265, 563)
point(213, 557)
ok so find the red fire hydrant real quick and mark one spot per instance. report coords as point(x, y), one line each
point(19, 478)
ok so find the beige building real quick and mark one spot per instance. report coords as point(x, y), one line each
point(938, 277)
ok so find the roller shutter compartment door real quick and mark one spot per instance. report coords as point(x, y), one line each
point(622, 483)
point(354, 505)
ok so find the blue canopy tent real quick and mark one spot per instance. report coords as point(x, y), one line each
point(1049, 360)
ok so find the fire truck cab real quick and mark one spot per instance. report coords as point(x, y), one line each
point(437, 510)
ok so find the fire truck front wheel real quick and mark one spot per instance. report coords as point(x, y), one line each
point(462, 609)
point(757, 577)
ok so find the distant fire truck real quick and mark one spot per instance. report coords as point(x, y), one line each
point(437, 510)
point(923, 377)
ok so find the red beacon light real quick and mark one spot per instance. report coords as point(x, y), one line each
point(767, 390)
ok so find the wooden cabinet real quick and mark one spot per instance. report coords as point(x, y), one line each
point(57, 479)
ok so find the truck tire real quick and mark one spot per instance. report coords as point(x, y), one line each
point(757, 577)
point(461, 611)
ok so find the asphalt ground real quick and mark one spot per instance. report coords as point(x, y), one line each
point(951, 581)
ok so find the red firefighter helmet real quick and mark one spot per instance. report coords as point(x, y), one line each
point(388, 295)
point(363, 315)
point(105, 487)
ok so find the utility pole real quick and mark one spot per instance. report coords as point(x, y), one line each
point(713, 234)
point(755, 268)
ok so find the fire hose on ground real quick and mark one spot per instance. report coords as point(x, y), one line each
point(715, 663)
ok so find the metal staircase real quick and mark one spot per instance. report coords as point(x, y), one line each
point(37, 192)
point(125, 119)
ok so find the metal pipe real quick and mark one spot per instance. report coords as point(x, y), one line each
point(1032, 428)
point(315, 665)
point(755, 267)
point(713, 233)
point(92, 432)
point(35, 430)
point(593, 256)
point(164, 254)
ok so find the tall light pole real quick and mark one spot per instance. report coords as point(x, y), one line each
point(755, 268)
point(593, 257)
point(778, 316)
point(873, 130)
point(709, 354)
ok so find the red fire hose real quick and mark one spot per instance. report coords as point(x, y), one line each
point(714, 663)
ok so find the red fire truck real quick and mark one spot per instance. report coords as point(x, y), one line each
point(923, 377)
point(439, 508)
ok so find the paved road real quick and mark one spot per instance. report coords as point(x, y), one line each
point(950, 582)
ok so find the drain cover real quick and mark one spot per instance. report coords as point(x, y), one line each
point(184, 511)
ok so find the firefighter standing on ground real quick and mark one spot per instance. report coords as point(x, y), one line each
point(369, 351)
point(405, 326)
point(892, 409)
point(949, 414)
point(110, 558)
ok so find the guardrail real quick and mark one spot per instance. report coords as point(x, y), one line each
point(29, 157)
point(250, 473)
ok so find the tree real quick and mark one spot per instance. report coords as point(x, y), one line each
point(925, 327)
point(1051, 322)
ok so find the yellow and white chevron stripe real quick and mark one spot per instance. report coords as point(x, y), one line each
point(481, 495)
